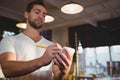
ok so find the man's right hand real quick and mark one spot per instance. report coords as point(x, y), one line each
point(50, 52)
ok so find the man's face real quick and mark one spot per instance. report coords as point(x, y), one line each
point(36, 17)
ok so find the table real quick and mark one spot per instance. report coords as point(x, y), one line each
point(84, 77)
point(108, 78)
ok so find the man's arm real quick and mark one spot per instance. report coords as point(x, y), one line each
point(13, 68)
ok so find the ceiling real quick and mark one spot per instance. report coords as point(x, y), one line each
point(94, 11)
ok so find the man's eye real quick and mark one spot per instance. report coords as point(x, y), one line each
point(37, 12)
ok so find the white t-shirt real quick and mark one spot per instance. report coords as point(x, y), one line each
point(25, 49)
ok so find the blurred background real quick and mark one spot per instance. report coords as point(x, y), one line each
point(94, 32)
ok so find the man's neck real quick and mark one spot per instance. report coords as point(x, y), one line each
point(33, 34)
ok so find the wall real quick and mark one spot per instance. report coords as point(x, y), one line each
point(60, 35)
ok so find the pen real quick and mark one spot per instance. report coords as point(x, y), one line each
point(40, 46)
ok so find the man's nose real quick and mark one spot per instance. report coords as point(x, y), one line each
point(41, 16)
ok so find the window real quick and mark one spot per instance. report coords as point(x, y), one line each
point(8, 33)
point(115, 53)
point(97, 58)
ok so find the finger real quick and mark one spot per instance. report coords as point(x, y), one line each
point(55, 47)
point(69, 52)
point(60, 60)
point(64, 58)
point(57, 63)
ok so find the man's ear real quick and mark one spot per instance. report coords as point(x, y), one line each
point(26, 14)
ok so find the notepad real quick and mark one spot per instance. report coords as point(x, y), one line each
point(71, 50)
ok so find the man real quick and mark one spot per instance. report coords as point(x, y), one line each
point(21, 59)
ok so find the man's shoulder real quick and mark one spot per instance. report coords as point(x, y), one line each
point(47, 41)
point(9, 38)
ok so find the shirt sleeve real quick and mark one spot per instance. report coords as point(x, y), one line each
point(1, 72)
point(7, 45)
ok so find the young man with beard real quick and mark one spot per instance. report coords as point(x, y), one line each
point(20, 59)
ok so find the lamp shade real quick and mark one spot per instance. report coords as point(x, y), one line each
point(49, 18)
point(72, 8)
point(21, 24)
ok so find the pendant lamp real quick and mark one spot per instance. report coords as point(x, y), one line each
point(49, 18)
point(72, 8)
point(21, 24)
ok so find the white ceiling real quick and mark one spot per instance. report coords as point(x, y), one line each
point(94, 10)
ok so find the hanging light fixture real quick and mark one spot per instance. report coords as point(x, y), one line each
point(72, 8)
point(49, 18)
point(22, 24)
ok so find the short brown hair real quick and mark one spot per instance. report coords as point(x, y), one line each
point(36, 2)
